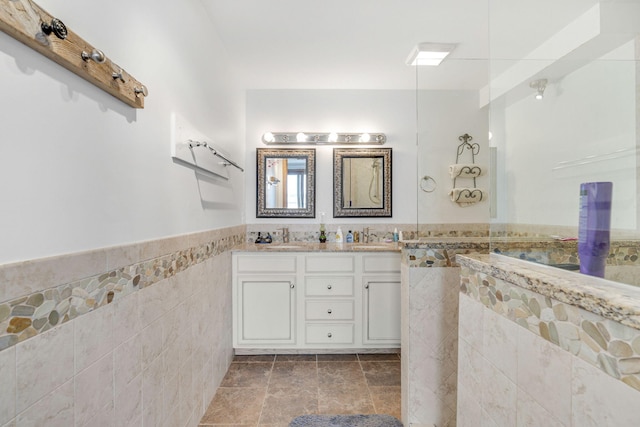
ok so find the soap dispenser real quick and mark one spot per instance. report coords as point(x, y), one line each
point(349, 237)
point(339, 235)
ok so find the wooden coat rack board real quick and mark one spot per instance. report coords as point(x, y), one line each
point(30, 24)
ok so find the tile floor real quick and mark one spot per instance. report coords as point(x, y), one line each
point(272, 390)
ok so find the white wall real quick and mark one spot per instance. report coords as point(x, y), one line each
point(583, 130)
point(443, 116)
point(390, 112)
point(81, 170)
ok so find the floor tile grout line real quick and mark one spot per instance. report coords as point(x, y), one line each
point(266, 390)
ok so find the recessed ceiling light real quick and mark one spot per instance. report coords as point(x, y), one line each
point(429, 53)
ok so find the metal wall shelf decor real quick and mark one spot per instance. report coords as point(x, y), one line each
point(28, 23)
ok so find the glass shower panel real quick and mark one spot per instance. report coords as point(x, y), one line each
point(564, 111)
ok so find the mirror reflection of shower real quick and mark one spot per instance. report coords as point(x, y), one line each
point(374, 186)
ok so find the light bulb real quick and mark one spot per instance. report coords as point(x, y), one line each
point(268, 137)
point(365, 137)
point(333, 137)
point(301, 137)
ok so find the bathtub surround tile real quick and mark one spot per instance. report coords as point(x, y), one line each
point(126, 320)
point(43, 364)
point(128, 403)
point(54, 410)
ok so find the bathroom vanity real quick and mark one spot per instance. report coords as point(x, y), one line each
point(330, 297)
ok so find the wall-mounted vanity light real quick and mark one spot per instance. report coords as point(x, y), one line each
point(284, 138)
point(539, 85)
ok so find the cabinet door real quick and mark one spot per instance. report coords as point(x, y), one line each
point(381, 298)
point(266, 310)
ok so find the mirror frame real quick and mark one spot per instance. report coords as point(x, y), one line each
point(261, 157)
point(341, 153)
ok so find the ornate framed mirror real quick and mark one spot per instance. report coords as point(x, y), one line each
point(286, 183)
point(362, 182)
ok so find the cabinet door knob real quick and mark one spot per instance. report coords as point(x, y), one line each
point(293, 286)
point(366, 286)
point(329, 311)
point(329, 286)
point(329, 334)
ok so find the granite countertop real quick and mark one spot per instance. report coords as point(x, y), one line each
point(319, 247)
point(611, 300)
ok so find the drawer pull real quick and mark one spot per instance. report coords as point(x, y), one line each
point(329, 334)
point(329, 286)
point(329, 311)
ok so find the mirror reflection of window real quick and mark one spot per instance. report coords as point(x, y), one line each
point(286, 180)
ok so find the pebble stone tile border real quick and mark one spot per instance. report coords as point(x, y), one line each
point(28, 316)
point(442, 254)
point(608, 345)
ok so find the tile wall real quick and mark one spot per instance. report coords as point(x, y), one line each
point(526, 359)
point(117, 337)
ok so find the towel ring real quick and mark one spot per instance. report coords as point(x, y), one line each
point(428, 184)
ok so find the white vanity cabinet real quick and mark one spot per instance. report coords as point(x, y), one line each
point(315, 301)
point(264, 300)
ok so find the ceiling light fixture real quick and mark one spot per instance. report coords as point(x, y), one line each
point(539, 85)
point(319, 138)
point(429, 53)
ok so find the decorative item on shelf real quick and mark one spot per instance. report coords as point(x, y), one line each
point(466, 196)
point(30, 24)
point(326, 138)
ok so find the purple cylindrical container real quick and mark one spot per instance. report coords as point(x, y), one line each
point(595, 226)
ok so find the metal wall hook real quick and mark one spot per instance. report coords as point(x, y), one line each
point(142, 90)
point(118, 76)
point(96, 56)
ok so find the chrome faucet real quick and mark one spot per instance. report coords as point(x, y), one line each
point(285, 235)
point(365, 235)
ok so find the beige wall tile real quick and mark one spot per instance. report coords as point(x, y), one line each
point(600, 400)
point(542, 367)
point(530, 413)
point(127, 363)
point(498, 400)
point(93, 337)
point(126, 322)
point(500, 343)
point(43, 363)
point(128, 403)
point(53, 410)
point(8, 388)
point(94, 391)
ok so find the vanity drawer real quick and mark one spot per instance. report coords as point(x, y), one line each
point(329, 333)
point(323, 286)
point(330, 264)
point(329, 310)
point(381, 263)
point(262, 263)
